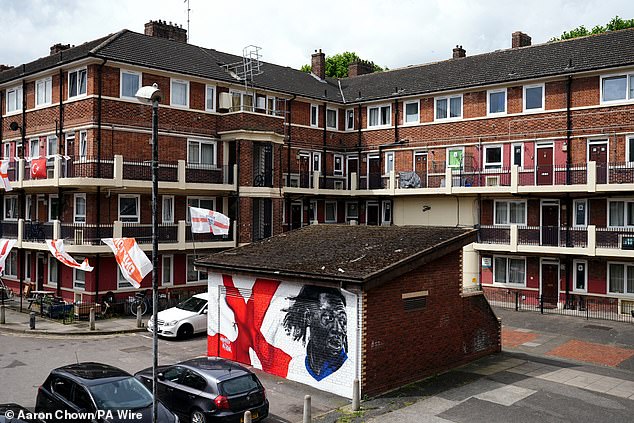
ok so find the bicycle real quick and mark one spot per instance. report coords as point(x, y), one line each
point(139, 300)
point(6, 293)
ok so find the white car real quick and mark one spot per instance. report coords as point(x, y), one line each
point(184, 320)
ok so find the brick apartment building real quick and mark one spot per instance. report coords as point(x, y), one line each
point(534, 145)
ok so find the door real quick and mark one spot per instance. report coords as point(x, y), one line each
point(304, 173)
point(420, 167)
point(167, 386)
point(296, 215)
point(550, 223)
point(200, 321)
point(39, 272)
point(352, 167)
point(544, 165)
point(599, 154)
point(372, 213)
point(550, 282)
point(374, 173)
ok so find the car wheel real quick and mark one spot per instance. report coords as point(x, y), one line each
point(185, 331)
point(197, 416)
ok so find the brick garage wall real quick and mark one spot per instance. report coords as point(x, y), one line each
point(401, 347)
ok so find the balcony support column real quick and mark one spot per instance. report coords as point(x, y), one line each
point(57, 229)
point(20, 170)
point(118, 170)
point(514, 178)
point(392, 182)
point(592, 240)
point(18, 244)
point(448, 180)
point(182, 178)
point(353, 182)
point(57, 167)
point(513, 238)
point(592, 176)
point(117, 229)
point(182, 227)
point(316, 182)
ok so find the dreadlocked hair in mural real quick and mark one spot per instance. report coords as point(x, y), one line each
point(298, 315)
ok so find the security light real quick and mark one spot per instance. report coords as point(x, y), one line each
point(149, 94)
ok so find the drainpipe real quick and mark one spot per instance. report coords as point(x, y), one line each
point(568, 180)
point(359, 138)
point(21, 206)
point(61, 113)
point(288, 159)
point(396, 138)
point(322, 180)
point(237, 181)
point(98, 202)
point(60, 143)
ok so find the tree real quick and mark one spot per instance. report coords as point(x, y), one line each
point(337, 65)
point(615, 24)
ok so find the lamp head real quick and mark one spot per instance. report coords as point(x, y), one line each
point(149, 94)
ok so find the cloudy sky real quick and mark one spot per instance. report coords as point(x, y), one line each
point(391, 33)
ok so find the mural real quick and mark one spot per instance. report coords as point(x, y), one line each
point(303, 333)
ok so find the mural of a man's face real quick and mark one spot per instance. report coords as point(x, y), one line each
point(328, 325)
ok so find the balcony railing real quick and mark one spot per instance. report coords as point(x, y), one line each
point(85, 234)
point(494, 234)
point(612, 237)
point(191, 237)
point(167, 233)
point(35, 231)
point(141, 170)
point(9, 229)
point(87, 167)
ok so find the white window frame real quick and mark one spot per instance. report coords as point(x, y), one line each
point(200, 277)
point(199, 142)
point(628, 87)
point(625, 201)
point(574, 213)
point(448, 98)
point(415, 121)
point(170, 208)
point(535, 109)
point(314, 123)
point(11, 265)
point(379, 108)
point(129, 217)
point(521, 145)
point(507, 278)
point(28, 202)
point(312, 211)
point(328, 109)
point(389, 162)
point(498, 90)
point(51, 146)
point(337, 170)
point(45, 84)
point(385, 206)
point(52, 262)
point(629, 148)
point(316, 159)
point(77, 283)
point(170, 258)
point(625, 266)
point(14, 105)
point(213, 97)
point(34, 142)
point(78, 72)
point(271, 100)
point(13, 200)
point(326, 203)
point(493, 165)
point(51, 199)
point(449, 150)
point(508, 212)
point(131, 73)
point(348, 126)
point(82, 151)
point(27, 265)
point(78, 218)
point(181, 82)
point(196, 199)
point(350, 216)
point(242, 107)
point(69, 138)
point(575, 263)
point(6, 150)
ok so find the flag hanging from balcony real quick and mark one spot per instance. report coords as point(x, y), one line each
point(56, 247)
point(4, 175)
point(38, 168)
point(206, 221)
point(5, 248)
point(133, 262)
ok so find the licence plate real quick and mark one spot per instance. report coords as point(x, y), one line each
point(254, 415)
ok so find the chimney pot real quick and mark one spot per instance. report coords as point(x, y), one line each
point(519, 39)
point(162, 29)
point(56, 48)
point(459, 52)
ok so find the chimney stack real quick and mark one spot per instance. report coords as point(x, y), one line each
point(169, 31)
point(519, 39)
point(56, 48)
point(459, 52)
point(360, 67)
point(318, 64)
point(5, 67)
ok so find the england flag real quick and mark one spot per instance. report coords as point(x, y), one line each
point(206, 221)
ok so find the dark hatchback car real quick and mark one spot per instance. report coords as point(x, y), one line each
point(97, 390)
point(17, 414)
point(209, 389)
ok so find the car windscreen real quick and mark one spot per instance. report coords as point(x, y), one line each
point(126, 393)
point(192, 304)
point(239, 385)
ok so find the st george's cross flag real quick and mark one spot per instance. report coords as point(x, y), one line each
point(5, 248)
point(4, 175)
point(133, 262)
point(56, 247)
point(206, 221)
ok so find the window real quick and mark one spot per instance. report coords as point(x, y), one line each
point(53, 207)
point(510, 212)
point(194, 275)
point(518, 154)
point(331, 118)
point(129, 208)
point(14, 100)
point(83, 145)
point(534, 97)
point(10, 207)
point(312, 213)
point(411, 112)
point(386, 212)
point(389, 162)
point(210, 98)
point(179, 93)
point(200, 202)
point(509, 270)
point(271, 106)
point(167, 270)
point(11, 264)
point(51, 145)
point(629, 149)
point(130, 83)
point(314, 115)
point(168, 209)
point(79, 276)
point(43, 91)
point(34, 148)
point(316, 162)
point(52, 271)
point(448, 107)
point(620, 213)
point(241, 101)
point(77, 83)
point(580, 275)
point(580, 213)
point(454, 157)
point(122, 282)
point(338, 167)
point(620, 278)
point(379, 116)
point(27, 207)
point(201, 152)
point(349, 119)
point(80, 208)
point(331, 211)
point(6, 150)
point(619, 87)
point(27, 266)
point(352, 210)
point(496, 102)
point(69, 143)
point(492, 156)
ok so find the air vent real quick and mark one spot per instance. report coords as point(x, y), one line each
point(415, 300)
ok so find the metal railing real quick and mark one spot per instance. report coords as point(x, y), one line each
point(35, 231)
point(611, 237)
point(489, 234)
point(141, 170)
point(87, 167)
point(85, 234)
point(167, 232)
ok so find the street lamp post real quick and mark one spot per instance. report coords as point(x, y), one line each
point(153, 95)
point(14, 126)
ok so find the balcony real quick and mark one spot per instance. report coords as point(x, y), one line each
point(587, 241)
point(123, 172)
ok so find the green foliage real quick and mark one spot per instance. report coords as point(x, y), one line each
point(615, 24)
point(337, 65)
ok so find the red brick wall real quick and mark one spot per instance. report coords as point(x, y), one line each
point(401, 346)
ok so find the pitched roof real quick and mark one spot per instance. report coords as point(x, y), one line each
point(355, 254)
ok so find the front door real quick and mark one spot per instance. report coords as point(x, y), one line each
point(544, 165)
point(372, 213)
point(353, 167)
point(599, 154)
point(550, 282)
point(296, 215)
point(550, 223)
point(374, 173)
point(420, 167)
